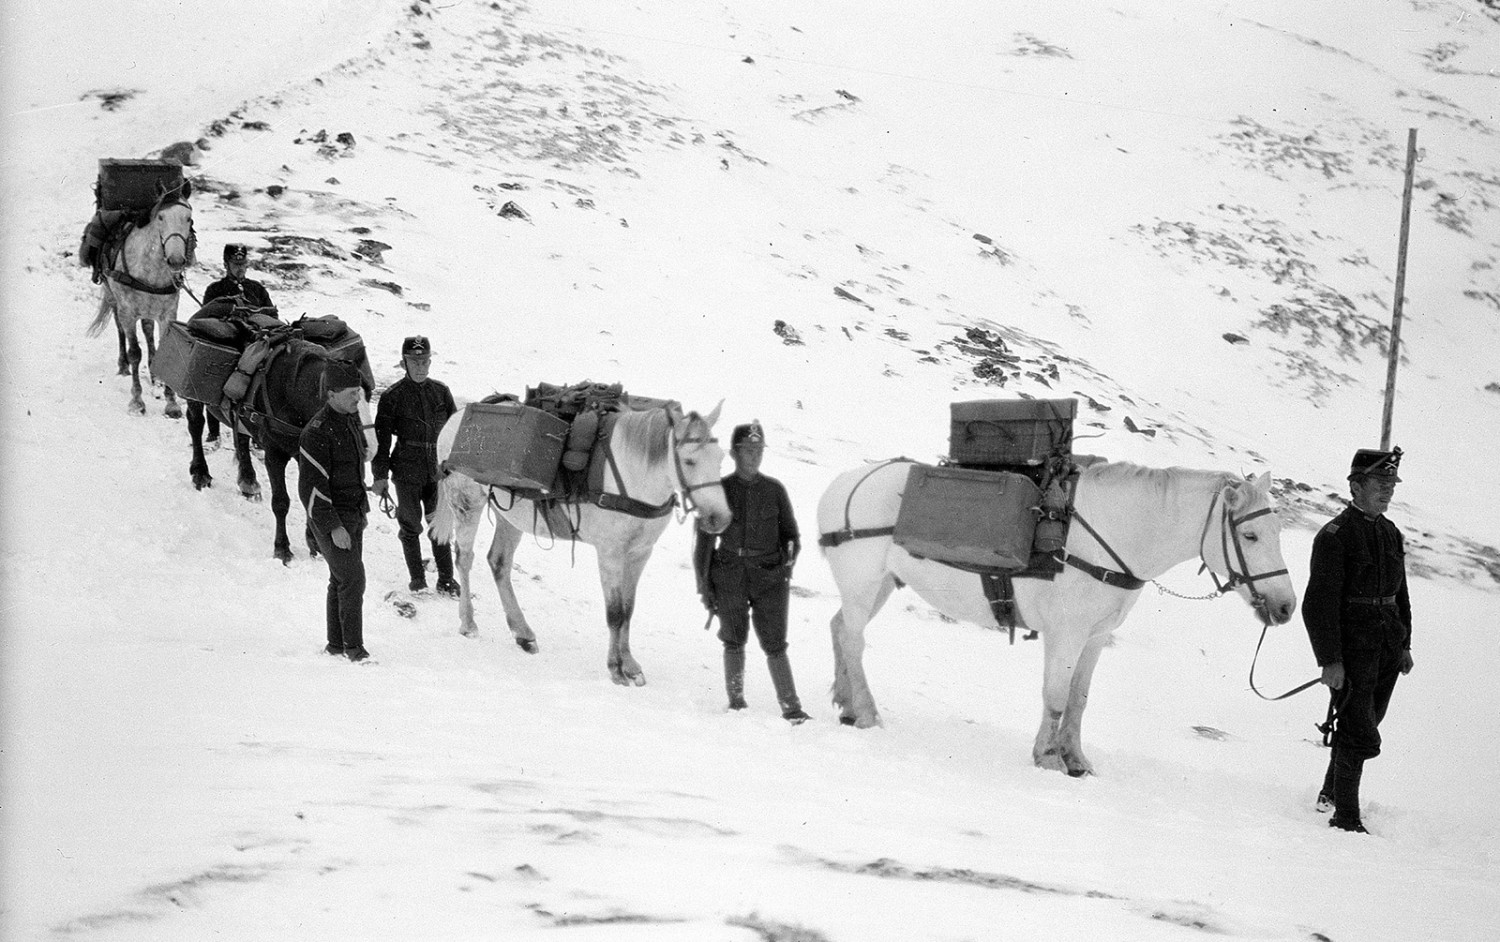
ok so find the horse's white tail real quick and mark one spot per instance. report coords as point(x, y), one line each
point(106, 313)
point(444, 524)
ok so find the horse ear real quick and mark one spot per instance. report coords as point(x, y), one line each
point(1236, 494)
point(713, 416)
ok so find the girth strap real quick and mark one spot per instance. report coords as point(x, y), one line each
point(840, 537)
point(135, 284)
point(1000, 592)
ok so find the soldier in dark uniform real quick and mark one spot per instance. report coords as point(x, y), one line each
point(235, 284)
point(745, 573)
point(331, 483)
point(1358, 617)
point(414, 411)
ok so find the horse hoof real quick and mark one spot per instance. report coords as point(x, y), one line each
point(846, 721)
point(469, 632)
point(530, 647)
point(211, 444)
point(200, 481)
point(639, 680)
point(250, 494)
point(1079, 772)
point(173, 413)
point(136, 408)
point(285, 555)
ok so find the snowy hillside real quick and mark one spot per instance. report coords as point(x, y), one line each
point(837, 218)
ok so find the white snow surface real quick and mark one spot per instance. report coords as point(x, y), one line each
point(181, 760)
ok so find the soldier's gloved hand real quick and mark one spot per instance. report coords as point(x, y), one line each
point(381, 487)
point(341, 538)
point(1406, 662)
point(1333, 675)
point(708, 601)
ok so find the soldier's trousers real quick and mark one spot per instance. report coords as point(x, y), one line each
point(414, 504)
point(1369, 679)
point(344, 609)
point(747, 593)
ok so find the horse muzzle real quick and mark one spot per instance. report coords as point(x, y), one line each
point(714, 522)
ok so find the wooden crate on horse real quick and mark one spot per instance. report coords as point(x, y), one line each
point(135, 185)
point(196, 368)
point(506, 444)
point(980, 519)
point(1010, 432)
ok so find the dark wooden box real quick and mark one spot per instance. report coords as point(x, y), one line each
point(971, 517)
point(135, 184)
point(506, 444)
point(195, 368)
point(1010, 431)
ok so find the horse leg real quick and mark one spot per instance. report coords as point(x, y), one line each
point(851, 689)
point(1062, 653)
point(172, 409)
point(1070, 729)
point(502, 557)
point(198, 466)
point(619, 580)
point(211, 441)
point(124, 360)
point(133, 354)
point(249, 486)
point(281, 501)
point(465, 527)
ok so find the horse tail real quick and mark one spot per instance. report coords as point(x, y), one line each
point(106, 313)
point(443, 526)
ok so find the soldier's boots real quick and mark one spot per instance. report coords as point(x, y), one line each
point(442, 556)
point(786, 690)
point(414, 566)
point(734, 677)
point(1346, 775)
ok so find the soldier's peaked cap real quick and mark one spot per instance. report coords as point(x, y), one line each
point(417, 346)
point(236, 251)
point(1374, 463)
point(748, 434)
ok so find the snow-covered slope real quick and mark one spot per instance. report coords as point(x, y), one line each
point(838, 220)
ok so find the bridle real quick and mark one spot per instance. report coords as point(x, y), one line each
point(179, 278)
point(683, 487)
point(1229, 531)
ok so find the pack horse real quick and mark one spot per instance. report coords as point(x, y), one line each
point(142, 282)
point(657, 458)
point(1140, 522)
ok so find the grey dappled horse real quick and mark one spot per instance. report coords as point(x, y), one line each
point(142, 285)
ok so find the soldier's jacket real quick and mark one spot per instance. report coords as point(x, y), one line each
point(414, 413)
point(763, 532)
point(331, 468)
point(255, 293)
point(1356, 599)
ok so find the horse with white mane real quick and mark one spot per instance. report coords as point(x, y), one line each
point(142, 285)
point(1137, 523)
point(658, 457)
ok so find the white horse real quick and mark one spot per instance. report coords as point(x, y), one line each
point(658, 455)
point(1137, 524)
point(143, 282)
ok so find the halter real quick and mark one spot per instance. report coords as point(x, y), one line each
point(684, 488)
point(1228, 529)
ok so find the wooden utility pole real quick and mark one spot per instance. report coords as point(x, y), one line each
point(1394, 356)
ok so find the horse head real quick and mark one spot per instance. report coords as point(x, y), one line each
point(1244, 548)
point(172, 222)
point(698, 458)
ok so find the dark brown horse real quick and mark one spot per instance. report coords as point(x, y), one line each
point(288, 397)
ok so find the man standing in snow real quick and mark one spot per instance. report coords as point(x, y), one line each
point(745, 572)
point(414, 411)
point(1358, 617)
point(235, 284)
point(331, 483)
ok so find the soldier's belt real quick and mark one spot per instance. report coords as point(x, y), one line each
point(750, 555)
point(1377, 600)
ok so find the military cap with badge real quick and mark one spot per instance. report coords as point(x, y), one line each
point(748, 434)
point(1376, 463)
